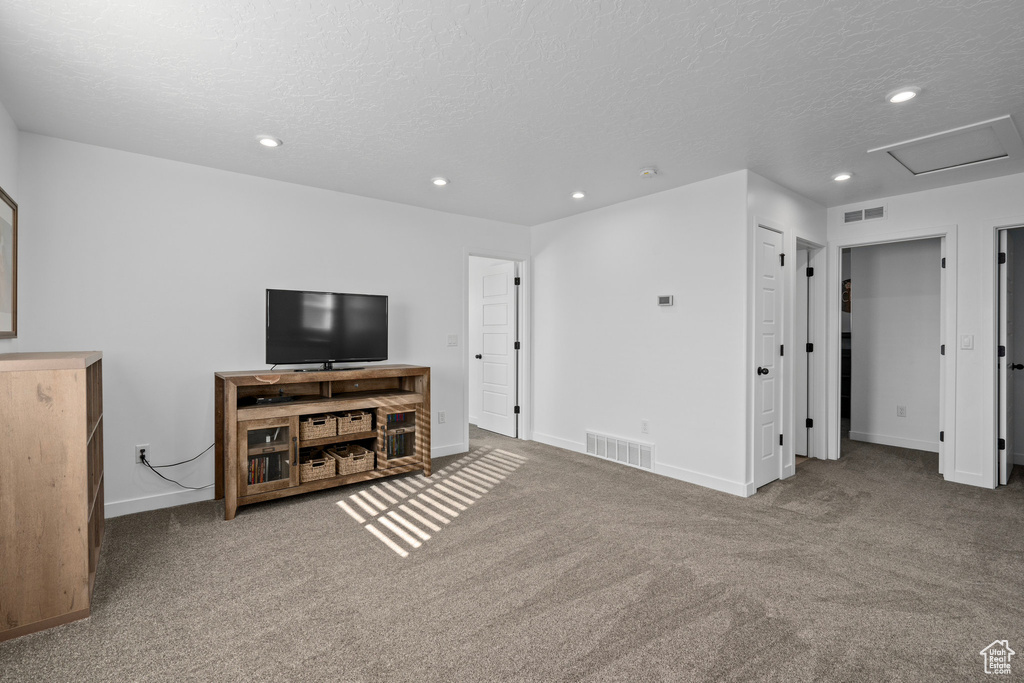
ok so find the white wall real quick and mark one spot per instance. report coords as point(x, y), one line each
point(895, 315)
point(607, 356)
point(474, 342)
point(974, 209)
point(163, 266)
point(9, 182)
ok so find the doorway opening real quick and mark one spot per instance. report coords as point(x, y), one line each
point(494, 344)
point(808, 357)
point(892, 321)
point(1010, 355)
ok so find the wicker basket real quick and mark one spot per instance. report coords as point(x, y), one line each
point(355, 421)
point(319, 466)
point(351, 458)
point(318, 426)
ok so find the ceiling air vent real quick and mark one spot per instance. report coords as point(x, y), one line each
point(873, 214)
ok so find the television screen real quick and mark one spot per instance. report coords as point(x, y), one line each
point(325, 327)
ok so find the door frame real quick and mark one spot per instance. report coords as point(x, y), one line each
point(817, 331)
point(947, 334)
point(524, 363)
point(993, 352)
point(817, 311)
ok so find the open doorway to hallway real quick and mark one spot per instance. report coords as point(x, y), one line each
point(891, 321)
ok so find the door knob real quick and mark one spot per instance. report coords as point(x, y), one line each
point(481, 356)
point(1017, 366)
point(762, 371)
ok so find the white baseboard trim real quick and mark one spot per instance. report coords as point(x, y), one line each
point(560, 443)
point(734, 487)
point(1018, 458)
point(454, 449)
point(157, 501)
point(897, 441)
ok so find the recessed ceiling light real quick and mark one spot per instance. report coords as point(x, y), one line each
point(269, 141)
point(648, 172)
point(578, 195)
point(439, 181)
point(902, 95)
point(840, 177)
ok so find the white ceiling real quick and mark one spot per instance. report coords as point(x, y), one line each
point(518, 102)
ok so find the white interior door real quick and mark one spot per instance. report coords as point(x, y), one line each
point(497, 355)
point(768, 380)
point(1006, 362)
point(801, 371)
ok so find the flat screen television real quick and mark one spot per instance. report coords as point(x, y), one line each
point(326, 327)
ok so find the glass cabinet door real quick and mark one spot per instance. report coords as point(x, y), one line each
point(396, 437)
point(268, 457)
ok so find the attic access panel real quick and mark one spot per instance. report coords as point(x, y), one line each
point(965, 146)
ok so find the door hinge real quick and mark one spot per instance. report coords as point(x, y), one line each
point(782, 259)
point(942, 350)
point(782, 349)
point(943, 261)
point(810, 272)
point(1002, 351)
point(780, 439)
point(1002, 257)
point(810, 347)
point(518, 281)
point(1002, 444)
point(942, 436)
point(809, 423)
point(516, 410)
point(517, 347)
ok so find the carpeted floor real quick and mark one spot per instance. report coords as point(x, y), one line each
point(560, 567)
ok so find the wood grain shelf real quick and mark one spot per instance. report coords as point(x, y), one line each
point(246, 473)
point(51, 483)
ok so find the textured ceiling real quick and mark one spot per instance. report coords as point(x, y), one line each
point(518, 102)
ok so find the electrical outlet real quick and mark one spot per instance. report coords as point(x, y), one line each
point(139, 450)
point(901, 411)
point(441, 417)
point(645, 427)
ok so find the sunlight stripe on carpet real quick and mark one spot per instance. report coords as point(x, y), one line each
point(387, 541)
point(440, 506)
point(394, 489)
point(419, 518)
point(376, 503)
point(366, 508)
point(445, 499)
point(424, 536)
point(351, 513)
point(450, 484)
point(443, 520)
point(401, 533)
point(384, 494)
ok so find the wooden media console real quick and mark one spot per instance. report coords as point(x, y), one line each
point(270, 423)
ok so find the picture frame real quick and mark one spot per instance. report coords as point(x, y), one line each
point(8, 266)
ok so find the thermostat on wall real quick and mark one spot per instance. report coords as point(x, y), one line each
point(664, 299)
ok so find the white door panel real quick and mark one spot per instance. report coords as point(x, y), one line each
point(497, 345)
point(768, 328)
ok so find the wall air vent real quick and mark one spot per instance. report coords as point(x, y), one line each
point(977, 143)
point(873, 214)
point(635, 453)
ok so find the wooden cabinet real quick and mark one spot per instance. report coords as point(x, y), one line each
point(261, 442)
point(51, 488)
point(267, 455)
